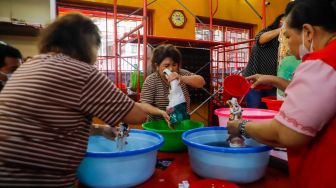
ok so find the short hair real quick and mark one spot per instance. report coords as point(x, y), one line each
point(72, 34)
point(163, 51)
point(320, 13)
point(8, 51)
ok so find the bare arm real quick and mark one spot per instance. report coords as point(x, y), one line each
point(275, 81)
point(195, 81)
point(136, 115)
point(280, 83)
point(271, 133)
point(275, 134)
point(149, 109)
point(269, 35)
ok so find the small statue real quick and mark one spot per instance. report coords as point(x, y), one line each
point(236, 113)
point(121, 137)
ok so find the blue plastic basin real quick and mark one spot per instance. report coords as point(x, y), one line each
point(104, 166)
point(239, 165)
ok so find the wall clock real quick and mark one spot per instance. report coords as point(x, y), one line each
point(178, 19)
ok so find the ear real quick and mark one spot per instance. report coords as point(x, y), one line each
point(308, 32)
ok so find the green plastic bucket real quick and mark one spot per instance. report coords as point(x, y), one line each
point(172, 137)
point(134, 80)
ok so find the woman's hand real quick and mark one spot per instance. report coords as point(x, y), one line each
point(259, 80)
point(233, 128)
point(111, 132)
point(106, 130)
point(267, 81)
point(165, 115)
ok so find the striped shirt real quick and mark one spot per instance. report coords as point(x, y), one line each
point(264, 57)
point(45, 116)
point(155, 92)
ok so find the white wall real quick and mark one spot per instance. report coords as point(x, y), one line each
point(31, 11)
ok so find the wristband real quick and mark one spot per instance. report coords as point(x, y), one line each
point(242, 130)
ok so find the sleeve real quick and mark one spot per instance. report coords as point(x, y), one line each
point(147, 94)
point(310, 102)
point(101, 98)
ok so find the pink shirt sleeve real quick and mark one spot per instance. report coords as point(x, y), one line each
point(310, 98)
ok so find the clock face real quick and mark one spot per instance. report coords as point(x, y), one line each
point(178, 18)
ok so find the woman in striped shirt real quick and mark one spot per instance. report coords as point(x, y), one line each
point(155, 89)
point(47, 107)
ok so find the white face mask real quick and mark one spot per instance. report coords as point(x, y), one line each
point(302, 49)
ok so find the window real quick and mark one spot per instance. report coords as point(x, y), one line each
point(231, 58)
point(103, 17)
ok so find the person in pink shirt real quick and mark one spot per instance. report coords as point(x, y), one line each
point(306, 122)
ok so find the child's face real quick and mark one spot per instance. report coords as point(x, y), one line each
point(168, 63)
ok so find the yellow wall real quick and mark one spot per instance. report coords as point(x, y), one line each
point(230, 10)
point(31, 11)
point(26, 45)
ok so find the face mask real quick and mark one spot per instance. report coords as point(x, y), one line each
point(302, 49)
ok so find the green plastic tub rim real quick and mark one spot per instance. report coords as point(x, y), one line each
point(172, 137)
point(178, 127)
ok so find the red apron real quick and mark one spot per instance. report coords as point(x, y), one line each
point(314, 166)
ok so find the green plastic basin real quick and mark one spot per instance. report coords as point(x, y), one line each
point(172, 137)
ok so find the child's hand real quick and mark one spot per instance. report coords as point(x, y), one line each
point(173, 76)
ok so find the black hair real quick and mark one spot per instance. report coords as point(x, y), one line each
point(72, 34)
point(276, 22)
point(163, 51)
point(289, 7)
point(8, 51)
point(314, 12)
